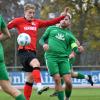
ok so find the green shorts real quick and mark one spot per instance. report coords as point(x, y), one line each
point(58, 65)
point(3, 71)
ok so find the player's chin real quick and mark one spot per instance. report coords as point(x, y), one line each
point(30, 18)
point(65, 25)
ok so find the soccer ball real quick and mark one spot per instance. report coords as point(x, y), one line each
point(23, 39)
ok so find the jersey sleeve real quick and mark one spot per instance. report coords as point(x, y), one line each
point(44, 37)
point(46, 23)
point(3, 24)
point(12, 24)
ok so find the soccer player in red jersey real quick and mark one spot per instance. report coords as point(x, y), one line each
point(27, 54)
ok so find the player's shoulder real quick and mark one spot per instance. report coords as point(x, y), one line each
point(18, 18)
point(37, 20)
point(52, 27)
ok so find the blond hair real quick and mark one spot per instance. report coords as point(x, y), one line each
point(29, 6)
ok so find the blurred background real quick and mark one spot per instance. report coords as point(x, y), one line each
point(85, 26)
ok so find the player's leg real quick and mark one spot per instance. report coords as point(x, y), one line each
point(55, 92)
point(68, 86)
point(24, 57)
point(82, 76)
point(37, 76)
point(28, 85)
point(65, 72)
point(54, 72)
point(6, 86)
point(58, 86)
point(31, 65)
point(4, 79)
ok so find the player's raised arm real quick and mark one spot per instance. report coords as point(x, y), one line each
point(46, 23)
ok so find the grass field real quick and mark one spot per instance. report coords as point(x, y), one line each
point(77, 94)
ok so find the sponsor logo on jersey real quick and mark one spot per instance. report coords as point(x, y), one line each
point(60, 36)
point(30, 28)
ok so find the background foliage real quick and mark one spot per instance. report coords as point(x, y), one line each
point(85, 25)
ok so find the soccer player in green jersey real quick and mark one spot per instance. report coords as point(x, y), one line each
point(74, 74)
point(57, 55)
point(4, 79)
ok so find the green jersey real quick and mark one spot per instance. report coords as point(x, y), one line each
point(59, 41)
point(2, 23)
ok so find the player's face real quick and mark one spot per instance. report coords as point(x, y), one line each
point(65, 22)
point(29, 14)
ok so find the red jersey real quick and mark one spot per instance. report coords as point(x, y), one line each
point(31, 27)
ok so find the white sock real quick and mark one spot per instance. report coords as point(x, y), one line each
point(86, 77)
point(67, 98)
point(39, 86)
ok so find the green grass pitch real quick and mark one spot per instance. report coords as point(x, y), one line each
point(77, 94)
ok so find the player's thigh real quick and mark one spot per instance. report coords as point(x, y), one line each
point(3, 72)
point(52, 66)
point(1, 54)
point(34, 62)
point(28, 58)
point(64, 67)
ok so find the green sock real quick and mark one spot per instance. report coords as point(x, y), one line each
point(62, 81)
point(68, 93)
point(20, 97)
point(80, 76)
point(60, 95)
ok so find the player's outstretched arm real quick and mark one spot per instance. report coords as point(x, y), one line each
point(46, 23)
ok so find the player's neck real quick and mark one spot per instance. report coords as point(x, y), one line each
point(27, 19)
point(58, 25)
point(62, 27)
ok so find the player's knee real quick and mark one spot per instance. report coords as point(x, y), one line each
point(57, 79)
point(9, 89)
point(68, 83)
point(68, 80)
point(35, 63)
point(16, 93)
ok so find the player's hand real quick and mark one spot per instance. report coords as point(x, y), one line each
point(45, 47)
point(64, 13)
point(81, 49)
point(72, 55)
